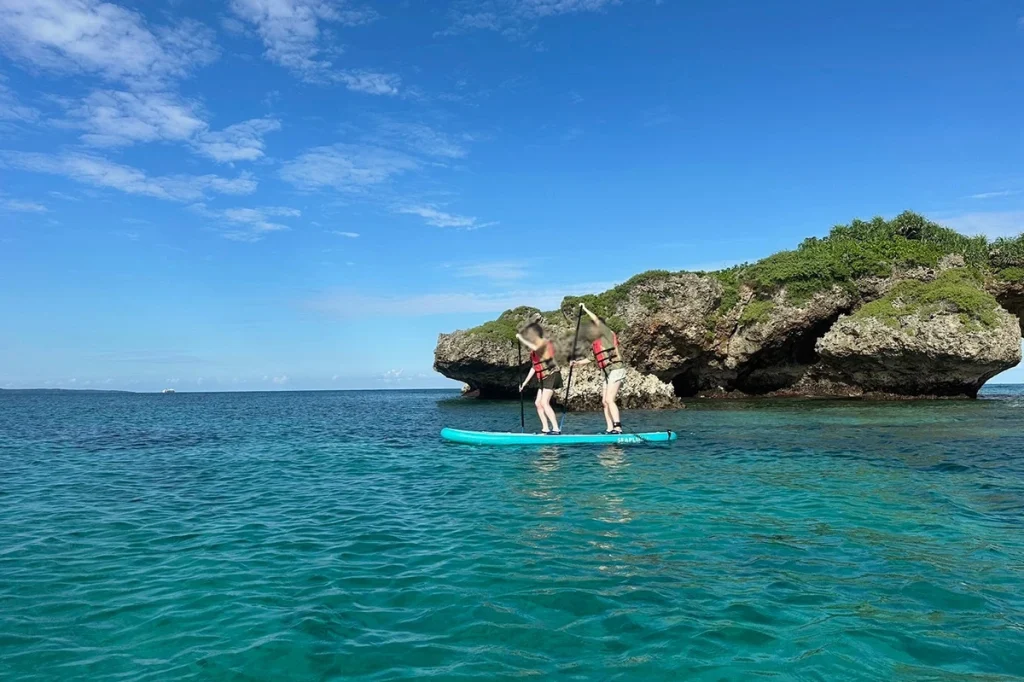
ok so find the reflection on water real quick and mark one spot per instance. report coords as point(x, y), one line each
point(612, 457)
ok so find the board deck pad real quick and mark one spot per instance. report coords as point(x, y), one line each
point(499, 438)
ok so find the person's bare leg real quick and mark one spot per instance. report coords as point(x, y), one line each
point(539, 402)
point(550, 412)
point(613, 409)
point(607, 412)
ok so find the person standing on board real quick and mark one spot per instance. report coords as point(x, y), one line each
point(549, 377)
point(608, 357)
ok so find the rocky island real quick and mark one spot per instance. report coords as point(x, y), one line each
point(882, 309)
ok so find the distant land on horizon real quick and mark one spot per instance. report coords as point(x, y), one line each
point(176, 392)
point(307, 390)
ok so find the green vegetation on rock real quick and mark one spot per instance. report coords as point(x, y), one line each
point(1007, 258)
point(506, 326)
point(756, 311)
point(953, 291)
point(876, 248)
point(606, 304)
point(1014, 274)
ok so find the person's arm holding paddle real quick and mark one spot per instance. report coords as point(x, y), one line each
point(597, 321)
point(522, 386)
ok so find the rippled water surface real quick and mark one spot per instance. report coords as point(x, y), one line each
point(313, 536)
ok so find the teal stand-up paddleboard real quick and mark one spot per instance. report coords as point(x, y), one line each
point(498, 438)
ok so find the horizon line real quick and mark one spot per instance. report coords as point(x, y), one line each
point(271, 390)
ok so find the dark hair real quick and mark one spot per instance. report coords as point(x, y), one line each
point(535, 328)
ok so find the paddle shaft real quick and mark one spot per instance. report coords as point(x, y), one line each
point(522, 410)
point(572, 356)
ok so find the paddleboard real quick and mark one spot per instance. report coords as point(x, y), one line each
point(498, 438)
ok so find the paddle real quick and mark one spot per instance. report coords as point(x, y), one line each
point(522, 413)
point(572, 356)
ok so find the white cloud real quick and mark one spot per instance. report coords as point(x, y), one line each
point(61, 195)
point(281, 380)
point(433, 216)
point(394, 376)
point(503, 271)
point(991, 224)
point(350, 235)
point(370, 82)
point(232, 25)
point(345, 167)
point(292, 34)
point(116, 118)
point(100, 172)
point(22, 206)
point(92, 36)
point(347, 304)
point(239, 142)
point(422, 139)
point(249, 224)
point(514, 18)
point(996, 195)
point(11, 109)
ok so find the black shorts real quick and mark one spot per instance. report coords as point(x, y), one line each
point(552, 382)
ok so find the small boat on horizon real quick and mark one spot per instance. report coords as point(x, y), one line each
point(167, 390)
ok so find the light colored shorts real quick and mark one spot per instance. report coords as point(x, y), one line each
point(616, 375)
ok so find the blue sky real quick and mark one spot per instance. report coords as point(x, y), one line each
point(287, 194)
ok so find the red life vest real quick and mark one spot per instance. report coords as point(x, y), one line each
point(607, 356)
point(543, 368)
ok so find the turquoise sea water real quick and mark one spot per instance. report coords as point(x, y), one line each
point(316, 536)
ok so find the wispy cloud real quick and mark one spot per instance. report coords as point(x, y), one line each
point(514, 18)
point(11, 108)
point(572, 134)
point(92, 36)
point(100, 172)
point(395, 376)
point(421, 139)
point(293, 37)
point(502, 271)
point(346, 167)
point(371, 168)
point(117, 118)
point(22, 206)
point(112, 118)
point(996, 195)
point(350, 235)
point(62, 196)
point(991, 224)
point(438, 218)
point(370, 82)
point(238, 142)
point(355, 305)
point(248, 224)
